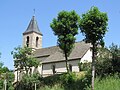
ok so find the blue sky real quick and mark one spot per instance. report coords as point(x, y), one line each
point(15, 16)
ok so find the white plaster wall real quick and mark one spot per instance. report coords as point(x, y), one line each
point(15, 73)
point(87, 57)
point(39, 41)
point(39, 69)
point(60, 67)
point(19, 75)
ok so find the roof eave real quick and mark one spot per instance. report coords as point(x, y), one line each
point(32, 32)
point(61, 61)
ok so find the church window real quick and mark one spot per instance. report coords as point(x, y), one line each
point(70, 67)
point(27, 42)
point(53, 69)
point(37, 38)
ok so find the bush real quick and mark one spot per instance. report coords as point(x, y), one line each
point(67, 81)
point(103, 62)
point(51, 80)
point(108, 61)
point(72, 81)
point(86, 66)
point(28, 82)
point(104, 67)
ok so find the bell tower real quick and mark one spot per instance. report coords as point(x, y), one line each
point(32, 37)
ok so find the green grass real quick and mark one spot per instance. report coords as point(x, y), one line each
point(109, 83)
point(55, 87)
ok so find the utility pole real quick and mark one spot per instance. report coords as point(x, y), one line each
point(35, 85)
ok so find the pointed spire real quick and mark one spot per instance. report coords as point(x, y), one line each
point(33, 27)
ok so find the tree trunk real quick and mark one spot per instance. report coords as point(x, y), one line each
point(93, 64)
point(66, 59)
point(17, 80)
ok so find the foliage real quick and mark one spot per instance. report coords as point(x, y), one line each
point(67, 81)
point(51, 80)
point(28, 81)
point(115, 51)
point(108, 61)
point(103, 62)
point(7, 74)
point(93, 25)
point(106, 83)
point(24, 59)
point(10, 79)
point(86, 66)
point(65, 26)
point(1, 84)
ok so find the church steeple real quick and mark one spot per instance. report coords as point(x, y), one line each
point(32, 37)
point(32, 27)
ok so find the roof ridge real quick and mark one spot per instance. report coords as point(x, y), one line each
point(58, 46)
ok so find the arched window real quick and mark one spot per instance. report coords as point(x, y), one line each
point(70, 67)
point(53, 69)
point(37, 38)
point(27, 42)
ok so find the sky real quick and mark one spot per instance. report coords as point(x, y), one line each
point(15, 16)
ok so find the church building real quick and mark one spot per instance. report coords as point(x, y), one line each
point(52, 59)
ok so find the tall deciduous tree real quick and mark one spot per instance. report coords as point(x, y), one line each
point(24, 59)
point(65, 27)
point(93, 25)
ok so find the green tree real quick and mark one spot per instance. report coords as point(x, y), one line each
point(28, 82)
point(8, 75)
point(93, 25)
point(115, 52)
point(103, 62)
point(108, 60)
point(24, 59)
point(65, 27)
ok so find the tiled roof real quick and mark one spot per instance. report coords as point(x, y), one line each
point(33, 27)
point(43, 52)
point(54, 54)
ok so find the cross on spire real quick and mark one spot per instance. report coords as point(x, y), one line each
point(34, 12)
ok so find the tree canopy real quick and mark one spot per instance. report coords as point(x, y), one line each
point(65, 27)
point(93, 25)
point(24, 59)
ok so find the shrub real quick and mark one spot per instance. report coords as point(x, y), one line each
point(103, 62)
point(28, 82)
point(72, 81)
point(86, 66)
point(68, 80)
point(51, 80)
point(108, 61)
